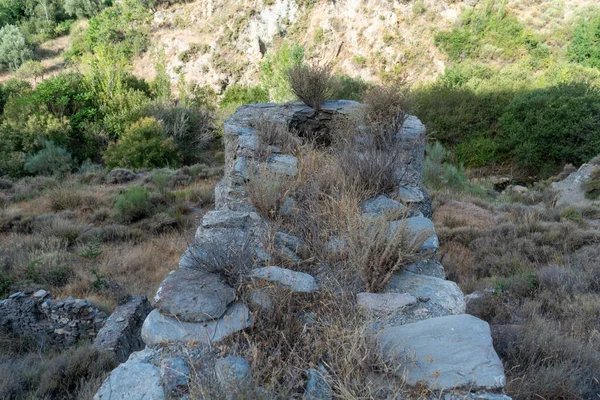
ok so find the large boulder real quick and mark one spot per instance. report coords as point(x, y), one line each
point(418, 228)
point(570, 190)
point(444, 353)
point(193, 296)
point(132, 381)
point(160, 329)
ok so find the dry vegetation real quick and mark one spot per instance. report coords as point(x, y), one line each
point(538, 269)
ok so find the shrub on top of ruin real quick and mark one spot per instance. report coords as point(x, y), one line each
point(311, 84)
point(386, 109)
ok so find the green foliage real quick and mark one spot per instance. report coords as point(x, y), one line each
point(348, 88)
point(547, 128)
point(93, 248)
point(83, 8)
point(30, 69)
point(14, 50)
point(571, 214)
point(125, 26)
point(275, 68)
point(487, 32)
point(5, 283)
point(238, 95)
point(592, 185)
point(51, 160)
point(143, 145)
point(585, 47)
point(133, 204)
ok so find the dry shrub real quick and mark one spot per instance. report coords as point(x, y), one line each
point(274, 134)
point(543, 363)
point(377, 251)
point(386, 109)
point(267, 191)
point(63, 229)
point(302, 331)
point(311, 84)
point(64, 198)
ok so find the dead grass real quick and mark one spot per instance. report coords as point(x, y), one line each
point(311, 84)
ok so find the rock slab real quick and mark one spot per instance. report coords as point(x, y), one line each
point(295, 281)
point(385, 302)
point(193, 296)
point(132, 381)
point(160, 329)
point(444, 353)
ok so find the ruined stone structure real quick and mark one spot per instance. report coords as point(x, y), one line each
point(418, 320)
point(56, 322)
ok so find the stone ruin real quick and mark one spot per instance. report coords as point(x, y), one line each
point(419, 320)
point(58, 323)
point(62, 323)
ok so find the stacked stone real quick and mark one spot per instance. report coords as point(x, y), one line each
point(418, 322)
point(57, 322)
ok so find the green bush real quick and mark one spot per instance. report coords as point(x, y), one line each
point(585, 47)
point(51, 160)
point(592, 185)
point(14, 50)
point(348, 88)
point(238, 95)
point(83, 8)
point(571, 214)
point(133, 204)
point(275, 68)
point(547, 128)
point(143, 145)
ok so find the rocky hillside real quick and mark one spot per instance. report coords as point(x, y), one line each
point(217, 42)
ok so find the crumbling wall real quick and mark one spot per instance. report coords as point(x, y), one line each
point(56, 322)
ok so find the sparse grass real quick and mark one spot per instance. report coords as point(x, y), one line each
point(268, 191)
point(592, 185)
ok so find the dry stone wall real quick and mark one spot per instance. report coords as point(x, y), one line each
point(57, 322)
point(418, 321)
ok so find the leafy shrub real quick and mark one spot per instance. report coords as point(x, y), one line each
point(14, 50)
point(274, 70)
point(547, 128)
point(133, 204)
point(83, 8)
point(592, 185)
point(585, 47)
point(51, 160)
point(238, 95)
point(143, 145)
point(571, 214)
point(348, 88)
point(311, 84)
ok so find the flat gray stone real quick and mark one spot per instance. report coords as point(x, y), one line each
point(438, 296)
point(418, 228)
point(430, 267)
point(381, 205)
point(174, 375)
point(295, 281)
point(132, 381)
point(317, 387)
point(410, 194)
point(240, 167)
point(385, 302)
point(233, 373)
point(283, 164)
point(444, 353)
point(193, 296)
point(159, 329)
point(226, 218)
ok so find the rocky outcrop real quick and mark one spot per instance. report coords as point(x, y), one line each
point(121, 333)
point(60, 323)
point(569, 189)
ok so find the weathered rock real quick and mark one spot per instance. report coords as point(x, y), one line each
point(439, 297)
point(292, 242)
point(444, 353)
point(193, 296)
point(283, 164)
point(174, 375)
point(119, 175)
point(132, 381)
point(233, 373)
point(570, 190)
point(473, 302)
point(384, 302)
point(430, 267)
point(121, 334)
point(380, 205)
point(410, 194)
point(295, 281)
point(317, 387)
point(226, 218)
point(418, 228)
point(160, 329)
